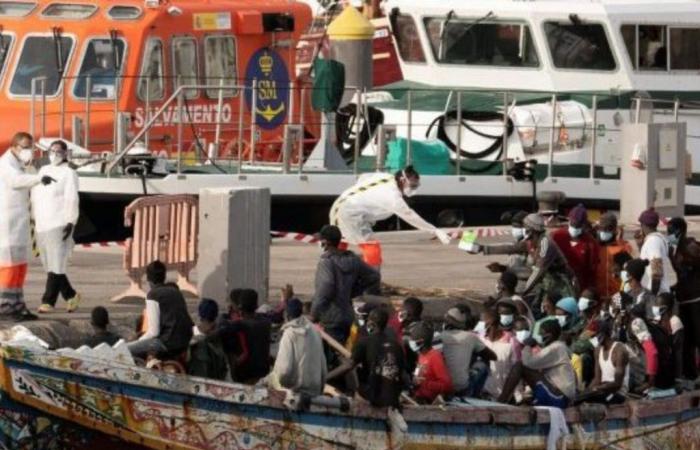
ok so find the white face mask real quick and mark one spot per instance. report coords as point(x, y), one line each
point(583, 303)
point(657, 312)
point(575, 232)
point(361, 322)
point(55, 159)
point(480, 328)
point(561, 319)
point(605, 236)
point(26, 155)
point(408, 191)
point(403, 315)
point(518, 233)
point(624, 276)
point(594, 341)
point(627, 288)
point(522, 335)
point(506, 319)
point(414, 346)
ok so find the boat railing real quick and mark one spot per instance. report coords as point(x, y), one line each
point(243, 123)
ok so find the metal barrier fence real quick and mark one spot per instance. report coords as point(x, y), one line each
point(245, 124)
point(165, 228)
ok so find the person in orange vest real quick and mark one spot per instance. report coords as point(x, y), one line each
point(607, 282)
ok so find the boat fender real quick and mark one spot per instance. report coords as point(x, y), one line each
point(371, 118)
point(473, 116)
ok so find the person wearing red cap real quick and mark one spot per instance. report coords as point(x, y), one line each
point(579, 247)
point(655, 249)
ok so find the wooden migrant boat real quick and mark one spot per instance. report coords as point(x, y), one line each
point(49, 398)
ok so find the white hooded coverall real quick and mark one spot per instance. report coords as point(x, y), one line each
point(373, 198)
point(54, 206)
point(15, 184)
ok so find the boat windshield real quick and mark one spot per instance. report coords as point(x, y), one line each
point(579, 46)
point(151, 82)
point(647, 47)
point(99, 64)
point(220, 63)
point(407, 40)
point(39, 58)
point(466, 41)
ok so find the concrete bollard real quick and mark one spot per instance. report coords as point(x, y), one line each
point(234, 243)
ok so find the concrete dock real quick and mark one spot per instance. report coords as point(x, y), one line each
point(413, 262)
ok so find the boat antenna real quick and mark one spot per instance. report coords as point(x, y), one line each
point(58, 49)
point(115, 50)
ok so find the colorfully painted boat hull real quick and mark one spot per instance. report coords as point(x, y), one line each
point(165, 411)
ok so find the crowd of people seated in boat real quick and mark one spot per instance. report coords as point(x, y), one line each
point(579, 314)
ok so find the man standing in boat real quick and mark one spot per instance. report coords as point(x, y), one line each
point(15, 183)
point(56, 209)
point(377, 197)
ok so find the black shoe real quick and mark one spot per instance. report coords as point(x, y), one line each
point(24, 316)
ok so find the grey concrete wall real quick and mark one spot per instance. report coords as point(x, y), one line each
point(234, 241)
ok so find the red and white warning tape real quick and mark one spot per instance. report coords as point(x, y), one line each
point(297, 237)
point(312, 239)
point(103, 244)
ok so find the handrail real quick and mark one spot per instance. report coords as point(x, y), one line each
point(146, 127)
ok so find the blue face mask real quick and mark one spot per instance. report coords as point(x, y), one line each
point(575, 232)
point(605, 236)
point(672, 240)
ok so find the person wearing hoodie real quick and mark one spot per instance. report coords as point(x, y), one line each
point(300, 365)
point(340, 276)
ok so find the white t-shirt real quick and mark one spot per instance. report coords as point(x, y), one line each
point(458, 347)
point(500, 368)
point(656, 247)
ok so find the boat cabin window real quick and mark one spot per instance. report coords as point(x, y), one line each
point(16, 9)
point(120, 12)
point(647, 47)
point(185, 63)
point(100, 62)
point(467, 41)
point(685, 48)
point(220, 63)
point(69, 11)
point(151, 81)
point(41, 56)
point(5, 45)
point(406, 35)
point(582, 46)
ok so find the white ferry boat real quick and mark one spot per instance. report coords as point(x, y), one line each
point(203, 90)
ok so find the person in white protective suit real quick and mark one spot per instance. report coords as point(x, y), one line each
point(56, 210)
point(15, 183)
point(377, 197)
